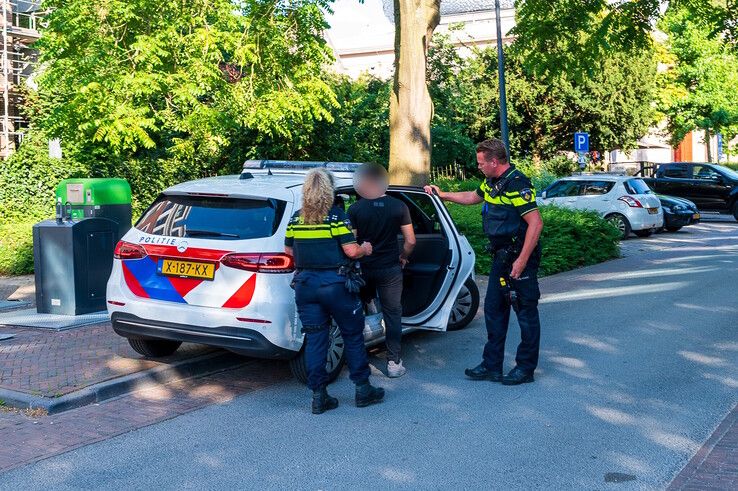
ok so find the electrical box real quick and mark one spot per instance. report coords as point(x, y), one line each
point(73, 261)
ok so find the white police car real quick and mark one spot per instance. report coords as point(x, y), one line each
point(205, 264)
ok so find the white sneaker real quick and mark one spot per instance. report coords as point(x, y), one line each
point(395, 370)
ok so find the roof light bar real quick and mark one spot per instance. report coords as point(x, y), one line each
point(299, 165)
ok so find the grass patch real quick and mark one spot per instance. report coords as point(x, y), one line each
point(570, 238)
point(16, 249)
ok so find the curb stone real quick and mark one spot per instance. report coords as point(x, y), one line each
point(194, 367)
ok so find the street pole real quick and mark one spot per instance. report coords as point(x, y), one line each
point(501, 76)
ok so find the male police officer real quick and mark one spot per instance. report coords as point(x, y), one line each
point(513, 224)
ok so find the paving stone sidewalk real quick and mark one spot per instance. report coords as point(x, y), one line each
point(715, 465)
point(30, 438)
point(51, 364)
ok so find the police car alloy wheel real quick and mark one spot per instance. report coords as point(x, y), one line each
point(465, 306)
point(334, 360)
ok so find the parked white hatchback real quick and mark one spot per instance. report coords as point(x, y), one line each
point(627, 202)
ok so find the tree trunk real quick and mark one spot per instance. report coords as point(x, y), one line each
point(411, 108)
point(708, 136)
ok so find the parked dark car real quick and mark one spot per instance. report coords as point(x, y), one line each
point(678, 212)
point(711, 187)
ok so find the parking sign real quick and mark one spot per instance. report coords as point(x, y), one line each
point(581, 142)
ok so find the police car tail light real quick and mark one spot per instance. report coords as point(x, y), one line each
point(630, 201)
point(276, 262)
point(126, 250)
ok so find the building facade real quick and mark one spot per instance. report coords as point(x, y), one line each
point(19, 30)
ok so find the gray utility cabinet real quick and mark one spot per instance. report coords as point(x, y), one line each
point(73, 260)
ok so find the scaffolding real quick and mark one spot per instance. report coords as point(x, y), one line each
point(20, 21)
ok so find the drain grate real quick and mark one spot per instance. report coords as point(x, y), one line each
point(31, 318)
point(619, 477)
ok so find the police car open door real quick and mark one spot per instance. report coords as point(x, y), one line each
point(441, 262)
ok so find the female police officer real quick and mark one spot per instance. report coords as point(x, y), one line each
point(320, 239)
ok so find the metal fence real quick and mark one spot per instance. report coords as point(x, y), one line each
point(452, 171)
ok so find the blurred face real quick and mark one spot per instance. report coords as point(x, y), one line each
point(370, 186)
point(490, 168)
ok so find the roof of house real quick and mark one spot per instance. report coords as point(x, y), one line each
point(451, 7)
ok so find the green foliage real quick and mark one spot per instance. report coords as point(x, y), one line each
point(700, 91)
point(159, 92)
point(16, 248)
point(575, 238)
point(570, 238)
point(28, 181)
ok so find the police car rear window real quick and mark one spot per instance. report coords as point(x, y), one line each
point(212, 217)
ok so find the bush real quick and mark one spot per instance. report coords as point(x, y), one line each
point(16, 248)
point(570, 238)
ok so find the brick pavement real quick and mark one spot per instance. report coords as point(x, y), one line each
point(715, 465)
point(51, 364)
point(27, 439)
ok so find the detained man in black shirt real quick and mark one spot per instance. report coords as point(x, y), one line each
point(379, 219)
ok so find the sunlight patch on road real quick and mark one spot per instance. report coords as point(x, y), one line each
point(592, 342)
point(610, 415)
point(440, 390)
point(726, 381)
point(712, 361)
point(718, 310)
point(631, 463)
point(726, 345)
point(649, 273)
point(672, 441)
point(592, 293)
point(397, 475)
point(568, 362)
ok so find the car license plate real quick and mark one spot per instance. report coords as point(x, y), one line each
point(696, 216)
point(653, 211)
point(186, 269)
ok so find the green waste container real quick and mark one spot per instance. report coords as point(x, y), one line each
point(96, 198)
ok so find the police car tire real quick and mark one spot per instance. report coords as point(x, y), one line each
point(298, 366)
point(473, 289)
point(154, 348)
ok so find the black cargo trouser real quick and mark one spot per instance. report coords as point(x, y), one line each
point(387, 282)
point(497, 314)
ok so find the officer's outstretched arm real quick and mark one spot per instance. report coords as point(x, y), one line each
point(461, 197)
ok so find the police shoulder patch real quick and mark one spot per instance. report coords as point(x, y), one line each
point(526, 194)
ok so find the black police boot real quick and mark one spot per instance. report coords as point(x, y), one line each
point(366, 394)
point(480, 372)
point(322, 402)
point(517, 377)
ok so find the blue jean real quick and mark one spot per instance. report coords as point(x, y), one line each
point(497, 316)
point(321, 295)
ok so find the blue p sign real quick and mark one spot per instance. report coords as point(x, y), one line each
point(581, 142)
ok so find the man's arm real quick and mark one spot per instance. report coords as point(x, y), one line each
point(461, 197)
point(535, 226)
point(409, 243)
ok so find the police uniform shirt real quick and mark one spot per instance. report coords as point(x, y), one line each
point(318, 246)
point(506, 201)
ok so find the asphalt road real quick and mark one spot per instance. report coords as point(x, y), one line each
point(639, 364)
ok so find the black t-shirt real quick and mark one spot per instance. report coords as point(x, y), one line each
point(378, 221)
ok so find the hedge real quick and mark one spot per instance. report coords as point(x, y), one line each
point(16, 248)
point(570, 238)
